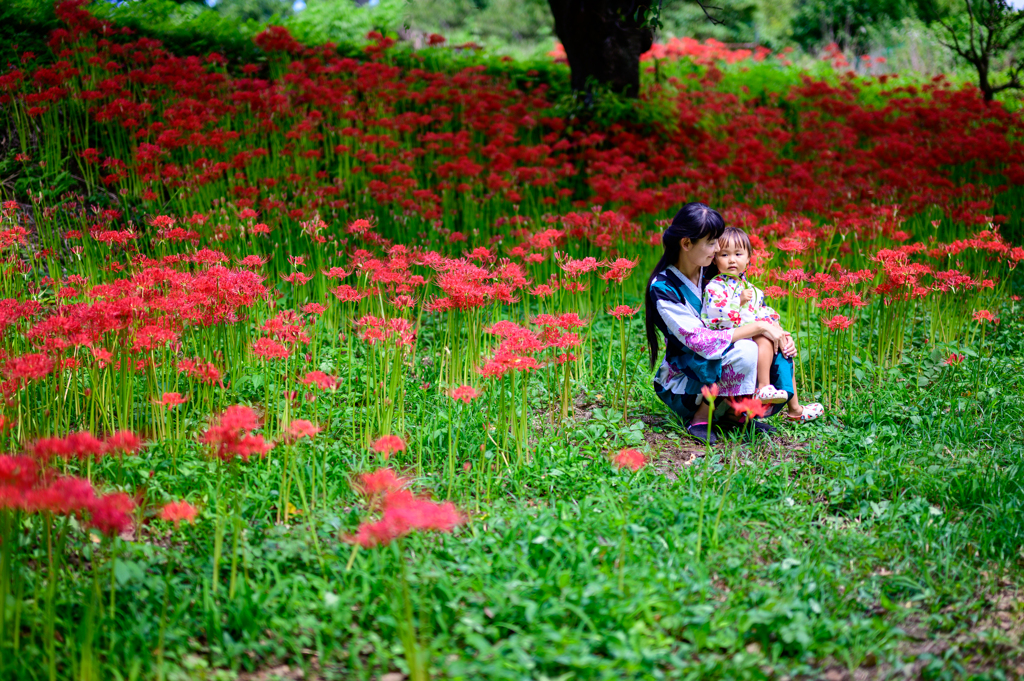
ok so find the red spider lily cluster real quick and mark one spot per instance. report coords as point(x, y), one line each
point(373, 162)
point(229, 436)
point(317, 228)
point(402, 512)
point(28, 486)
point(708, 52)
point(85, 445)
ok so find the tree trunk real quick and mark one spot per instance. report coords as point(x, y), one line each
point(983, 84)
point(603, 40)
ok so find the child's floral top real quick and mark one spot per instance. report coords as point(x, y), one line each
point(722, 308)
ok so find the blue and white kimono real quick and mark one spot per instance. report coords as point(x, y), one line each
point(696, 356)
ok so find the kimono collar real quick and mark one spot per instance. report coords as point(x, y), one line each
point(687, 282)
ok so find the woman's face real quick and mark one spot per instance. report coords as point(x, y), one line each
point(698, 253)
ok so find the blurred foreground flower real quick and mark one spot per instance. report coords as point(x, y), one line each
point(403, 512)
point(388, 445)
point(632, 459)
point(751, 406)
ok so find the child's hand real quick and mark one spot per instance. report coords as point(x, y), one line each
point(746, 296)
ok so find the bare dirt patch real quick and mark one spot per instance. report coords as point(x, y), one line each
point(672, 450)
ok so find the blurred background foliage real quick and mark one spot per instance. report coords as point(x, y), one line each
point(903, 31)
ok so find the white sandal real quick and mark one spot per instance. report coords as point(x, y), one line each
point(769, 394)
point(811, 412)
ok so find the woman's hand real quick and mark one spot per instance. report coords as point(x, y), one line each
point(773, 333)
point(754, 329)
point(787, 346)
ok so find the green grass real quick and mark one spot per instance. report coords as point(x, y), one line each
point(899, 512)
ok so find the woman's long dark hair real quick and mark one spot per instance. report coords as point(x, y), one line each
point(694, 221)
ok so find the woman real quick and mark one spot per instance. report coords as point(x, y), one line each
point(696, 356)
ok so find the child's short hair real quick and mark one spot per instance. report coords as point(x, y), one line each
point(734, 236)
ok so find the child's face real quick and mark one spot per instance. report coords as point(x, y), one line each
point(732, 258)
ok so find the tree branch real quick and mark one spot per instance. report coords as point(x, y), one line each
point(970, 31)
point(705, 9)
point(955, 46)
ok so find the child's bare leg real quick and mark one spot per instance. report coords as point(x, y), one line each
point(701, 416)
point(795, 408)
point(765, 357)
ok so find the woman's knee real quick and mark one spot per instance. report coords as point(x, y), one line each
point(743, 358)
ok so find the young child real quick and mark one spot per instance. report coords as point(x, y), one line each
point(731, 301)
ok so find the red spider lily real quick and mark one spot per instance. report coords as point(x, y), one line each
point(380, 482)
point(376, 330)
point(28, 367)
point(542, 291)
point(347, 294)
point(621, 312)
point(314, 308)
point(300, 428)
point(336, 273)
point(853, 299)
point(320, 380)
point(751, 406)
point(198, 130)
point(619, 270)
point(553, 339)
point(229, 435)
point(709, 393)
point(297, 278)
point(62, 496)
point(838, 323)
point(515, 338)
point(82, 445)
point(388, 445)
point(402, 513)
point(206, 372)
point(632, 459)
point(171, 400)
point(465, 393)
point(985, 316)
point(505, 361)
point(267, 348)
point(110, 514)
point(359, 226)
point(954, 359)
point(575, 268)
point(571, 320)
point(178, 511)
point(124, 442)
point(539, 320)
point(20, 472)
point(252, 262)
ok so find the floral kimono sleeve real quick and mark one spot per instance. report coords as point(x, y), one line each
point(684, 324)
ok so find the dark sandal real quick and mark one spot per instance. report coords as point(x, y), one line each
point(700, 431)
